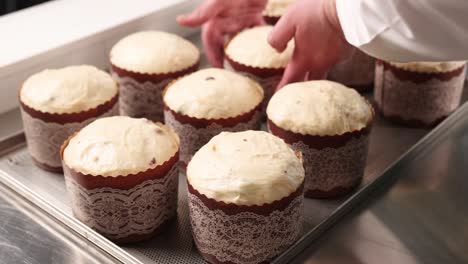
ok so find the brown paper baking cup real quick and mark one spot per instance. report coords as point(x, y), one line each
point(45, 132)
point(271, 20)
point(122, 181)
point(318, 142)
point(420, 77)
point(255, 71)
point(230, 233)
point(334, 165)
point(196, 132)
point(153, 77)
point(125, 208)
point(65, 118)
point(141, 92)
point(204, 122)
point(417, 99)
point(232, 209)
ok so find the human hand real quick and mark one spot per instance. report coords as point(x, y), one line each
point(220, 18)
point(319, 40)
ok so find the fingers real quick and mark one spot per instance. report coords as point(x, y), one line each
point(232, 26)
point(294, 72)
point(213, 33)
point(207, 10)
point(213, 41)
point(283, 31)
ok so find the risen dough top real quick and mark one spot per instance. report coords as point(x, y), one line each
point(213, 93)
point(154, 52)
point(250, 47)
point(319, 108)
point(68, 90)
point(120, 145)
point(245, 168)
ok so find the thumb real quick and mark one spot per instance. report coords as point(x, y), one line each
point(207, 10)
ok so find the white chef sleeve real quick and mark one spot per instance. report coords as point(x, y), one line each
point(407, 30)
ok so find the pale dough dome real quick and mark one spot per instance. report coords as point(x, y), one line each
point(71, 89)
point(277, 8)
point(250, 47)
point(429, 67)
point(245, 168)
point(213, 93)
point(154, 52)
point(319, 108)
point(120, 145)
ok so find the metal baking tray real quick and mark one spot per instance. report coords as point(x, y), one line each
point(46, 190)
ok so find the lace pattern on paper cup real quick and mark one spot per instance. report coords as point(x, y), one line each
point(334, 164)
point(121, 213)
point(141, 99)
point(244, 237)
point(328, 170)
point(423, 102)
point(193, 138)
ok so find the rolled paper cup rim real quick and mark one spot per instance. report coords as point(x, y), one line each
point(322, 141)
point(225, 122)
point(66, 118)
point(154, 77)
point(419, 76)
point(262, 72)
point(264, 209)
point(123, 182)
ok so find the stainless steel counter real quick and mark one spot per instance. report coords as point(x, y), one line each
point(28, 235)
point(421, 219)
point(175, 246)
point(367, 236)
point(419, 216)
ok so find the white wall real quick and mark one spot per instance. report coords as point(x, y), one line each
point(65, 32)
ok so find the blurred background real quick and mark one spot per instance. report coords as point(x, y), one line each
point(8, 6)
